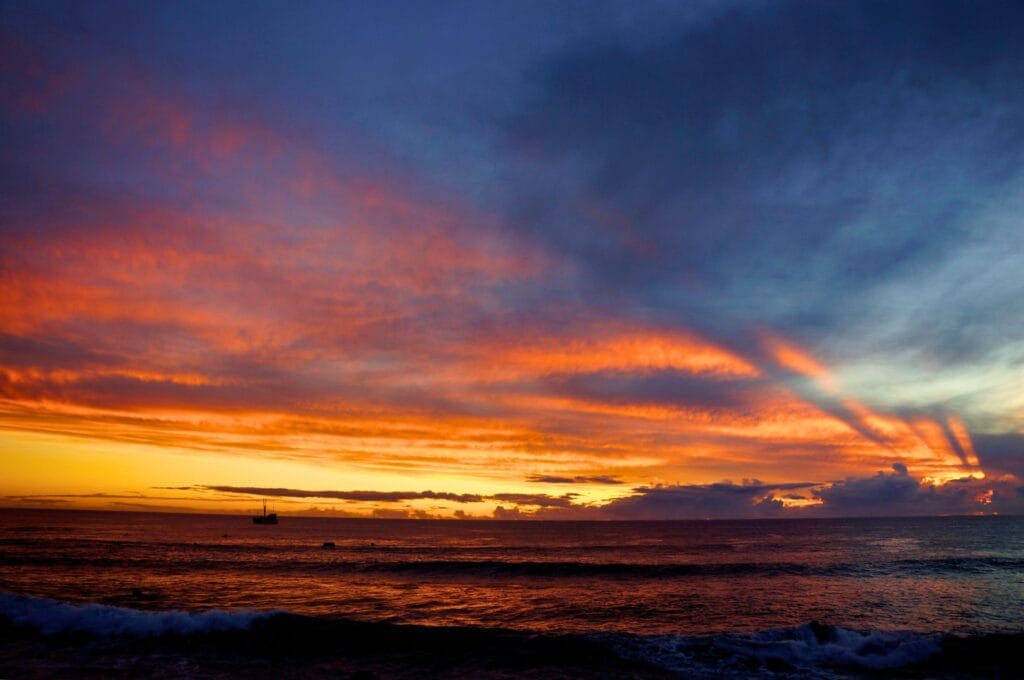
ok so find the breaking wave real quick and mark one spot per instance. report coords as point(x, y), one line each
point(812, 650)
point(51, 617)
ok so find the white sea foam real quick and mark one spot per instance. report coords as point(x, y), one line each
point(875, 650)
point(808, 650)
point(50, 617)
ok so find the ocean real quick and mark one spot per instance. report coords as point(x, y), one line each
point(212, 596)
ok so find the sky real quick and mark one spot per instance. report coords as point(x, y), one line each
point(573, 260)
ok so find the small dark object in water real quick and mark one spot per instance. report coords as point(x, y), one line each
point(140, 595)
point(328, 545)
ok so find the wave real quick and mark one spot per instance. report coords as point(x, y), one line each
point(52, 617)
point(272, 644)
point(528, 568)
point(812, 650)
point(317, 562)
point(816, 650)
point(499, 568)
point(961, 564)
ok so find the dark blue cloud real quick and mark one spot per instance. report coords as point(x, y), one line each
point(1001, 453)
point(781, 162)
point(899, 493)
point(704, 501)
point(884, 494)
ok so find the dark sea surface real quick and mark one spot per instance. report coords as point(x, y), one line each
point(789, 598)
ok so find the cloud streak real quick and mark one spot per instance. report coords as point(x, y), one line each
point(540, 500)
point(365, 496)
point(578, 479)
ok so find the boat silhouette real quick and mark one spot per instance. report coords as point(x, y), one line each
point(265, 518)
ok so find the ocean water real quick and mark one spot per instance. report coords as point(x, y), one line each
point(789, 597)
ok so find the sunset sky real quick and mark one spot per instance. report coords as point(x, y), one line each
point(555, 259)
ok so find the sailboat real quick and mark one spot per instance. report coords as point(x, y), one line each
point(265, 518)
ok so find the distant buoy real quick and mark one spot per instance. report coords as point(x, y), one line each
point(328, 544)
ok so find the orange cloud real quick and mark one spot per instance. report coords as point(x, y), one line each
point(790, 356)
point(615, 348)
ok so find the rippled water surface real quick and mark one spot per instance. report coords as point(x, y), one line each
point(962, 575)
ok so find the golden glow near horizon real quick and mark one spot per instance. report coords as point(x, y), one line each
point(163, 457)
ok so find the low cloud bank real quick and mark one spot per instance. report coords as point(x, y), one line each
point(888, 493)
point(369, 496)
point(899, 493)
point(894, 493)
point(722, 500)
point(529, 499)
